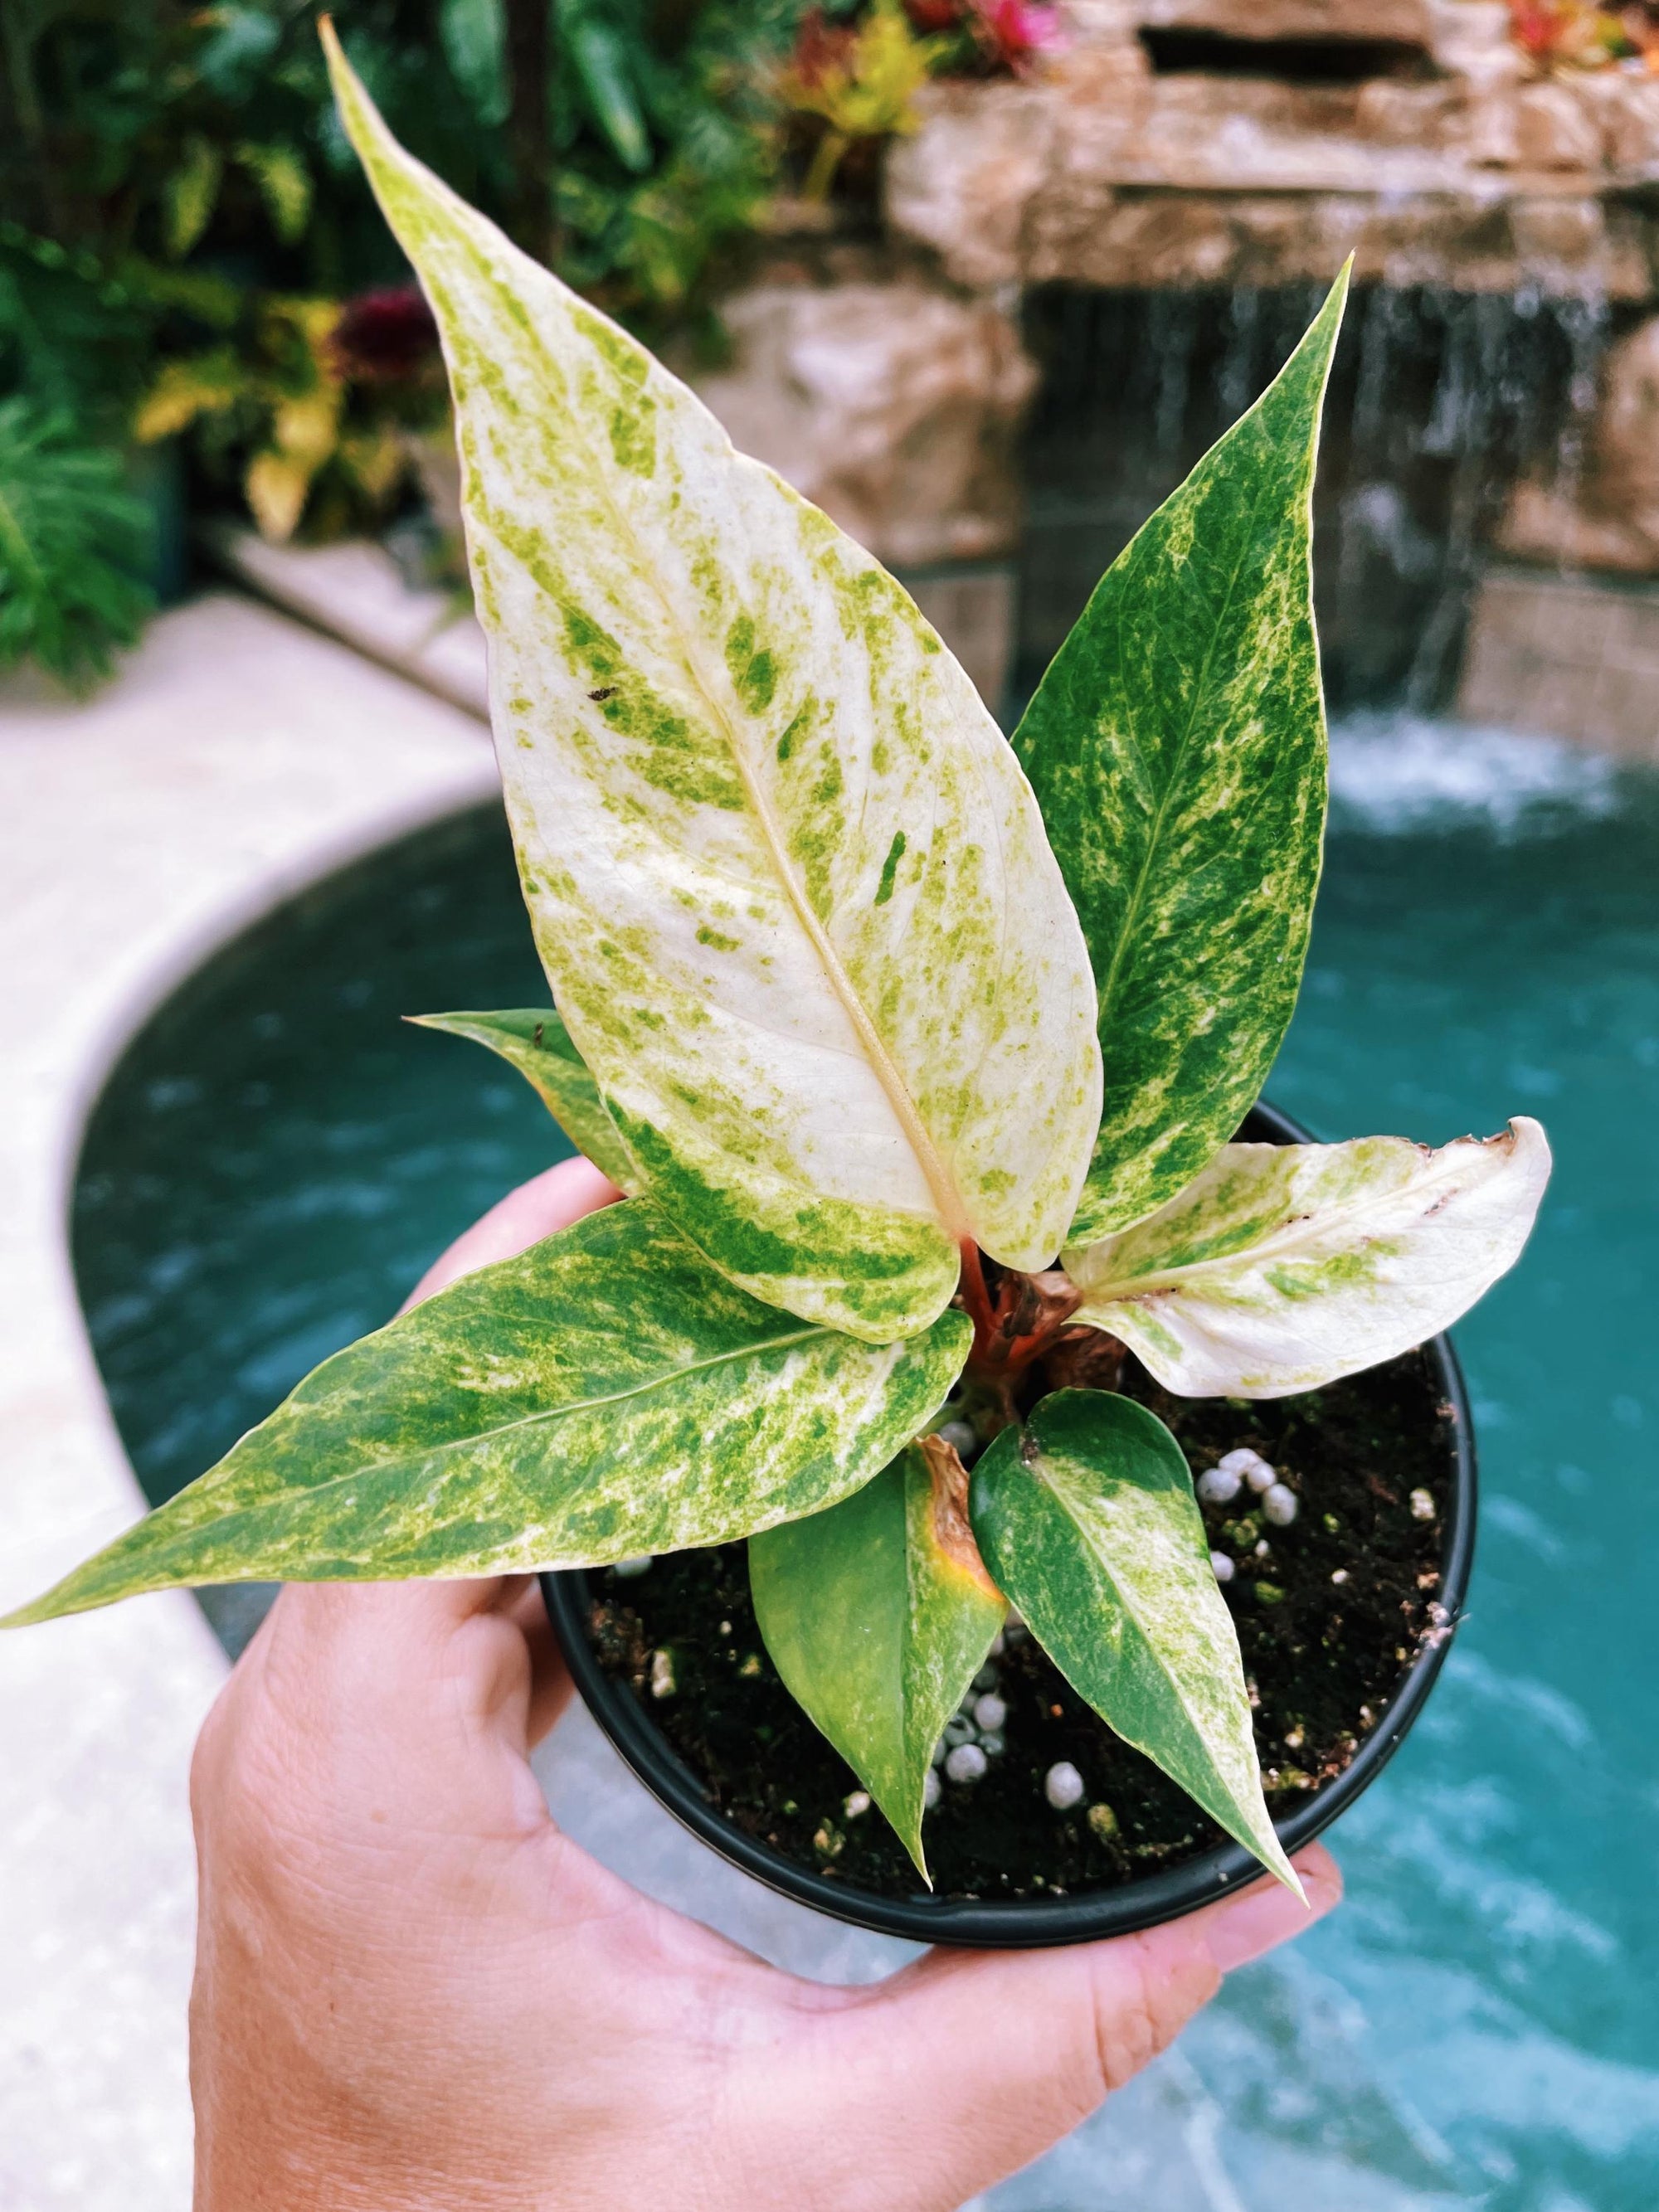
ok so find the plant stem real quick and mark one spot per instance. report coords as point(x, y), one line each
point(821, 170)
point(977, 1300)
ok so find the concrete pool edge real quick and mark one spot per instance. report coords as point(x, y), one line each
point(235, 760)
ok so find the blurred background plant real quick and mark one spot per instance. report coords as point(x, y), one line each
point(1564, 34)
point(200, 310)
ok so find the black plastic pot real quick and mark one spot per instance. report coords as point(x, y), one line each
point(1031, 1923)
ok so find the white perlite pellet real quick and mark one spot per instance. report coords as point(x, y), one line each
point(1222, 1567)
point(1281, 1504)
point(636, 1565)
point(1250, 1465)
point(859, 1802)
point(930, 1789)
point(962, 1437)
point(1422, 1505)
point(989, 1711)
point(965, 1763)
point(1220, 1486)
point(1062, 1785)
point(662, 1674)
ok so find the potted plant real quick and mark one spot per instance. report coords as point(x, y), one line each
point(921, 1059)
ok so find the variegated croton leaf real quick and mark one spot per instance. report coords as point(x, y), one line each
point(1177, 748)
point(1283, 1266)
point(536, 1042)
point(877, 1615)
point(791, 891)
point(1087, 1519)
point(606, 1392)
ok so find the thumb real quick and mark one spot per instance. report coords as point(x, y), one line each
point(967, 2065)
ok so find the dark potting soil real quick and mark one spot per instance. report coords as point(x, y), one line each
point(1330, 1612)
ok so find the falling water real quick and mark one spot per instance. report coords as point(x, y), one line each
point(1439, 401)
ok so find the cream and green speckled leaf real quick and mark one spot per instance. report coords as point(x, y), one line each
point(535, 1041)
point(1283, 1266)
point(791, 890)
point(1088, 1520)
point(877, 1615)
point(605, 1393)
point(1177, 746)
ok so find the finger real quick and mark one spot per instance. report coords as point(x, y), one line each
point(547, 1202)
point(967, 2065)
point(551, 1687)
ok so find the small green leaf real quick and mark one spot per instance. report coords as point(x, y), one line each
point(1089, 1522)
point(284, 184)
point(877, 1615)
point(1177, 748)
point(601, 55)
point(715, 715)
point(605, 1393)
point(1283, 1266)
point(536, 1042)
point(191, 195)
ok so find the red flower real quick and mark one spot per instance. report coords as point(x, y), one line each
point(386, 335)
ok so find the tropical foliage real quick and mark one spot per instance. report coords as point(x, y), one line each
point(870, 1026)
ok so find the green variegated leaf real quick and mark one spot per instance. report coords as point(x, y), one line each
point(1284, 1266)
point(536, 1042)
point(1089, 1522)
point(877, 1615)
point(606, 1392)
point(1177, 748)
point(792, 892)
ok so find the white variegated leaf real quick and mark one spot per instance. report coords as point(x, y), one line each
point(1087, 1519)
point(1282, 1267)
point(790, 886)
point(604, 1393)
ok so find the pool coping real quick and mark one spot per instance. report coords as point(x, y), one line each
point(235, 759)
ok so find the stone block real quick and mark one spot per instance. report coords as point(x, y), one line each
point(892, 406)
point(1610, 520)
point(1536, 127)
point(1470, 39)
point(1405, 22)
point(1626, 110)
point(973, 610)
point(1564, 657)
point(962, 183)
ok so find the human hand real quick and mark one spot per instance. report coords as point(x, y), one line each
point(413, 1993)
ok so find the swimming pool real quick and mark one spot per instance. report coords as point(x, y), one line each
point(276, 1159)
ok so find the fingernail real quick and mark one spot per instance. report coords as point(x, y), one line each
point(1264, 1916)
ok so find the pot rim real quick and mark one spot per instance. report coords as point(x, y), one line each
point(1034, 1923)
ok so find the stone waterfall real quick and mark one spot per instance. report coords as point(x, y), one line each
point(1071, 283)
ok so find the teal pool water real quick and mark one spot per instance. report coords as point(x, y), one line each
point(276, 1159)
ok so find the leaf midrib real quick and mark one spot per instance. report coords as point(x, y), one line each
point(1048, 1467)
point(1137, 897)
point(782, 1342)
point(1303, 1229)
point(946, 1197)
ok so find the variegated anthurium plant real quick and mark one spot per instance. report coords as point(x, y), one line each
point(911, 1049)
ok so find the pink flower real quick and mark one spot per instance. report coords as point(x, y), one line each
point(1016, 29)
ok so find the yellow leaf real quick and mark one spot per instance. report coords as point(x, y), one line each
point(277, 486)
point(306, 428)
point(185, 389)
